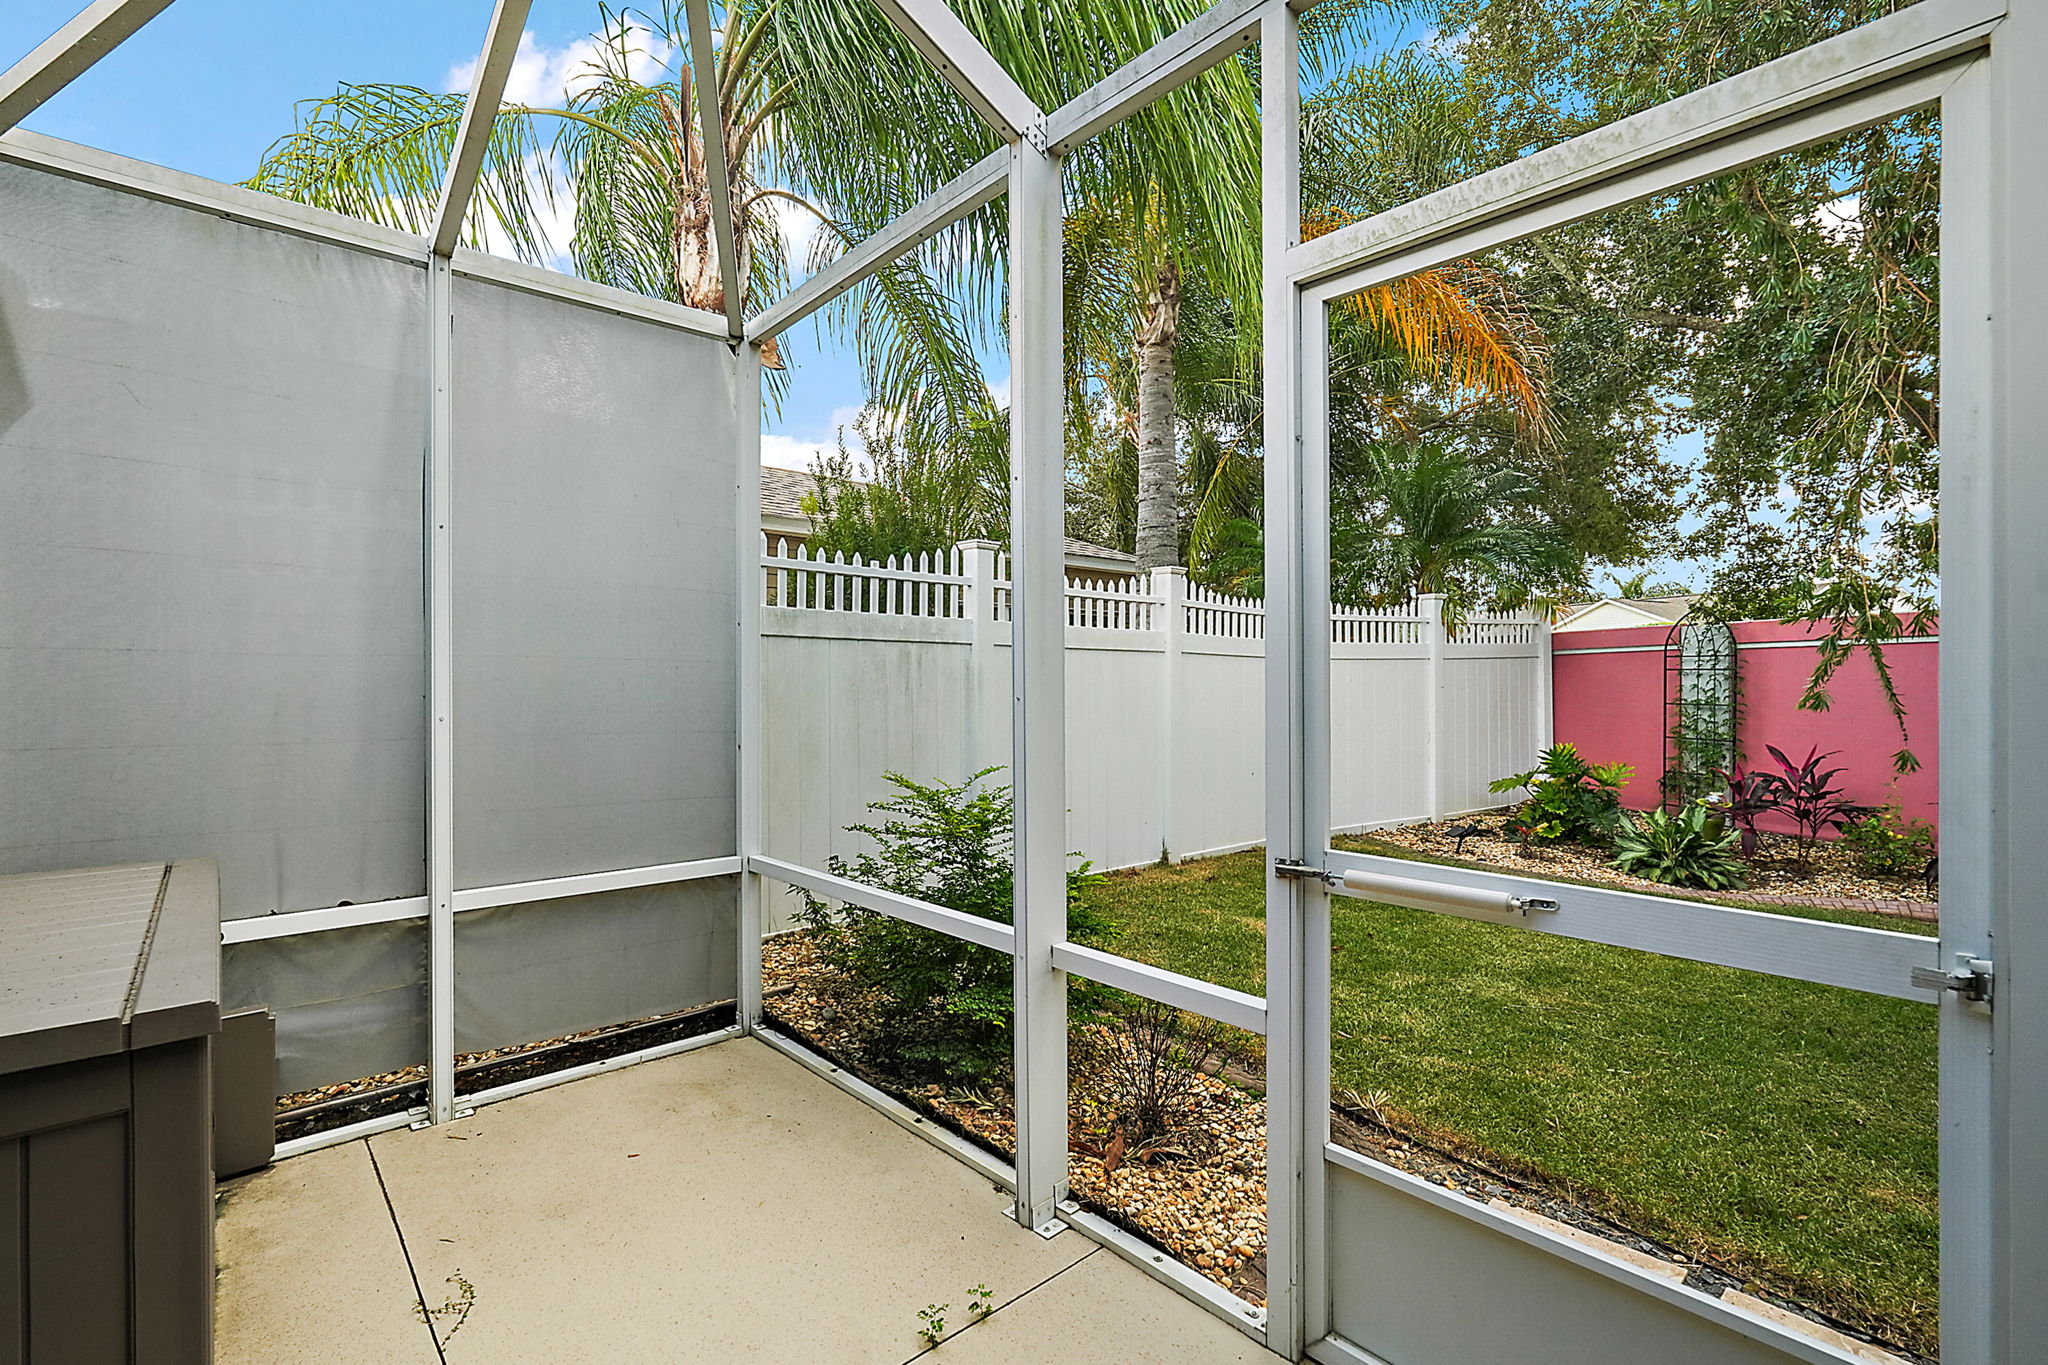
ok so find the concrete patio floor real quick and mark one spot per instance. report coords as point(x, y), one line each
point(724, 1205)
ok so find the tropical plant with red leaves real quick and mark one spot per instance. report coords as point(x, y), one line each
point(1805, 793)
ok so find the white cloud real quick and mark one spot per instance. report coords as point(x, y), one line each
point(785, 452)
point(547, 76)
point(555, 220)
point(797, 226)
point(789, 452)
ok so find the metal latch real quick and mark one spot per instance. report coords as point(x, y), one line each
point(1972, 978)
point(1294, 867)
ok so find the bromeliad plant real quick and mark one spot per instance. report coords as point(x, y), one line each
point(1686, 849)
point(1568, 798)
point(930, 1007)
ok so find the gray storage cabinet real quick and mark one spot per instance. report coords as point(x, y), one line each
point(109, 998)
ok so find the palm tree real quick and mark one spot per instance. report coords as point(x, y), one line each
point(1425, 519)
point(629, 155)
point(1161, 204)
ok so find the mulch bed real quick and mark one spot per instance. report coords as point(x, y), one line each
point(1830, 878)
point(327, 1107)
point(1201, 1196)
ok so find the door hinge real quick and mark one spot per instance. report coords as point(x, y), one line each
point(1972, 978)
point(1292, 867)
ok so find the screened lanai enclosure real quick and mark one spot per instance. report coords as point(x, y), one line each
point(419, 591)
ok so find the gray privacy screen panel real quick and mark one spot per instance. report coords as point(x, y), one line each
point(594, 549)
point(524, 973)
point(350, 1002)
point(211, 626)
point(1421, 1285)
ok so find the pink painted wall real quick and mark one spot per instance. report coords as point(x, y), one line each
point(1612, 706)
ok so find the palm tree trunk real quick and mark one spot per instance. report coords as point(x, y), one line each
point(1158, 462)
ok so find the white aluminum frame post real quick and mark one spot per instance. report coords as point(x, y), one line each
point(1297, 617)
point(1994, 730)
point(1038, 642)
point(458, 185)
point(747, 821)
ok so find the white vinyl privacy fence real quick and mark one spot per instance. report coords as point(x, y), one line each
point(903, 666)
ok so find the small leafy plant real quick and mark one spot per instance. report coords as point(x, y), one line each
point(931, 1007)
point(1889, 844)
point(932, 1317)
point(1679, 850)
point(1568, 798)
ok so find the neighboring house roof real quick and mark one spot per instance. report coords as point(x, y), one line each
point(782, 509)
point(1614, 612)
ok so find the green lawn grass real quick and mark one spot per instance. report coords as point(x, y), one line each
point(1782, 1129)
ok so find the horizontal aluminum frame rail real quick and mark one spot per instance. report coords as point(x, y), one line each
point(945, 1139)
point(1877, 961)
point(512, 1090)
point(1531, 190)
point(972, 928)
point(416, 1116)
point(1220, 1003)
point(254, 928)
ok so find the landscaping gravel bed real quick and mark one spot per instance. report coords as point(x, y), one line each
point(327, 1107)
point(1200, 1194)
point(1776, 873)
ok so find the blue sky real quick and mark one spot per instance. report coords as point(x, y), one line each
point(209, 84)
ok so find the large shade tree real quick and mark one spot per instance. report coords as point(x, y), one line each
point(1785, 313)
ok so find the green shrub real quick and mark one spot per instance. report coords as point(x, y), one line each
point(1889, 844)
point(928, 1006)
point(1686, 849)
point(1569, 798)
